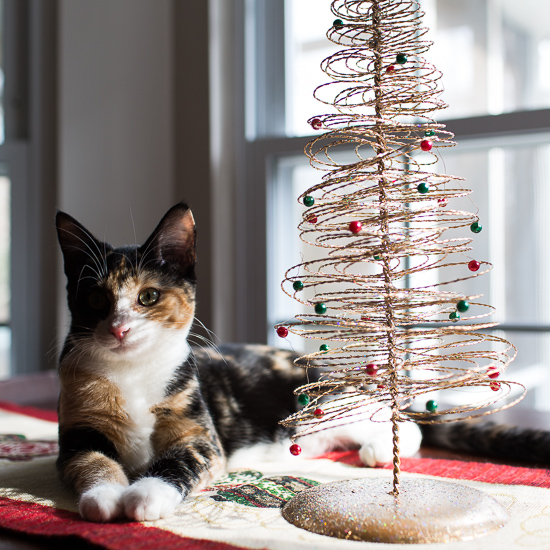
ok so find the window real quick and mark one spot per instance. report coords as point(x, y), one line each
point(5, 294)
point(493, 54)
point(27, 185)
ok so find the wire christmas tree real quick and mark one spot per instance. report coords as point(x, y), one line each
point(387, 226)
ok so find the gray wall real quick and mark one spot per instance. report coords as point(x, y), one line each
point(116, 154)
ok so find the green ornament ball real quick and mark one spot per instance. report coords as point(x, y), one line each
point(454, 316)
point(377, 257)
point(303, 399)
point(324, 347)
point(297, 285)
point(309, 200)
point(423, 188)
point(463, 306)
point(429, 133)
point(320, 308)
point(476, 227)
point(401, 58)
point(338, 24)
point(431, 405)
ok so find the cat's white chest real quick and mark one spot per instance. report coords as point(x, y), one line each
point(138, 402)
point(140, 390)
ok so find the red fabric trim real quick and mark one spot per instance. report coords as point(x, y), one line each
point(458, 469)
point(42, 414)
point(36, 519)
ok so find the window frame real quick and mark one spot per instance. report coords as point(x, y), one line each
point(264, 148)
point(29, 151)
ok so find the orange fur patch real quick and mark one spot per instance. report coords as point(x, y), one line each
point(88, 400)
point(87, 469)
point(174, 308)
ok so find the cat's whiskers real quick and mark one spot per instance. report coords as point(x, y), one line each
point(135, 241)
point(100, 262)
point(207, 341)
point(144, 255)
point(211, 334)
point(102, 259)
point(146, 252)
point(57, 345)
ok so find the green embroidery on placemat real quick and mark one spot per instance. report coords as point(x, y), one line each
point(11, 438)
point(235, 478)
point(268, 492)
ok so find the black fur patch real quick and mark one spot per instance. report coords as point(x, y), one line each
point(83, 439)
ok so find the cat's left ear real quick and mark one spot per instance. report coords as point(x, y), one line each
point(173, 240)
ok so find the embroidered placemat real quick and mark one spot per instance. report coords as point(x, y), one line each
point(242, 509)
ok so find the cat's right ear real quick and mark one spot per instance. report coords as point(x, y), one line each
point(173, 240)
point(80, 248)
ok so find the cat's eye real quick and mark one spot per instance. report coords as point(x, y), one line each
point(98, 301)
point(148, 297)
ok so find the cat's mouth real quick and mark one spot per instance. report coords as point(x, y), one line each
point(124, 347)
point(120, 348)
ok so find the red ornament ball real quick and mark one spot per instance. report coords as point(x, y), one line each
point(381, 387)
point(371, 369)
point(474, 265)
point(312, 219)
point(316, 124)
point(442, 203)
point(493, 372)
point(495, 386)
point(282, 332)
point(355, 227)
point(426, 145)
point(295, 449)
point(390, 68)
point(318, 413)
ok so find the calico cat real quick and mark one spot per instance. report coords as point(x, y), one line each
point(143, 419)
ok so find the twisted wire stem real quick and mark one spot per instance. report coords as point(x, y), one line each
point(396, 457)
point(390, 286)
point(382, 148)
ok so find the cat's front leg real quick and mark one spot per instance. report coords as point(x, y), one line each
point(179, 471)
point(102, 502)
point(100, 481)
point(150, 498)
point(88, 463)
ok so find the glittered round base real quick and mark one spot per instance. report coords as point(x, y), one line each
point(425, 511)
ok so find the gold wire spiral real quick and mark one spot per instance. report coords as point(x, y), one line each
point(382, 311)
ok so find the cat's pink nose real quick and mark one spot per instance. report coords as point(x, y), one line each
point(119, 332)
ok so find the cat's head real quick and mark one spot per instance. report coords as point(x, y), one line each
point(134, 299)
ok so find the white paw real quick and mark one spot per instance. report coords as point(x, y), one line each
point(150, 498)
point(379, 449)
point(102, 502)
point(376, 452)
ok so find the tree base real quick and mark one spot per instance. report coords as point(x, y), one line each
point(426, 511)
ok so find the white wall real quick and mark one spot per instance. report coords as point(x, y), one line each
point(116, 104)
point(115, 115)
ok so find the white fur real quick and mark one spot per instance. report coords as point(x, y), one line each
point(149, 499)
point(373, 439)
point(102, 503)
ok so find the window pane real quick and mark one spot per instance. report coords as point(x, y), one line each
point(5, 336)
point(494, 56)
point(1, 71)
point(306, 22)
point(511, 191)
